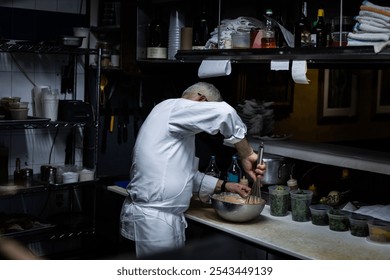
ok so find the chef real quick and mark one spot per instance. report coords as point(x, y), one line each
point(164, 175)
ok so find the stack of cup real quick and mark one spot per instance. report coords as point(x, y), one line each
point(176, 22)
point(49, 101)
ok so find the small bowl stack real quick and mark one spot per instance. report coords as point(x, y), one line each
point(18, 110)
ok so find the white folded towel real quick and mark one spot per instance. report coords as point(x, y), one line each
point(378, 46)
point(371, 37)
point(375, 15)
point(363, 27)
point(372, 21)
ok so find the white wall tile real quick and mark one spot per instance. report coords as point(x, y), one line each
point(24, 4)
point(23, 60)
point(5, 84)
point(6, 3)
point(5, 62)
point(21, 86)
point(68, 6)
point(46, 5)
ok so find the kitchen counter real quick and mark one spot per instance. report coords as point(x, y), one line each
point(302, 240)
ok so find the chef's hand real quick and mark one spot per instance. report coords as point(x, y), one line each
point(242, 190)
point(250, 166)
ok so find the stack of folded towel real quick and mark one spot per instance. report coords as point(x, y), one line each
point(372, 27)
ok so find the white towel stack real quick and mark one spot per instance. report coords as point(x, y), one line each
point(372, 27)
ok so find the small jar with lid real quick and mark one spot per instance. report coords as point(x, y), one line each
point(106, 48)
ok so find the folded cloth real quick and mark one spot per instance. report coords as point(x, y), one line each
point(375, 10)
point(374, 15)
point(378, 46)
point(372, 21)
point(368, 3)
point(371, 37)
point(363, 27)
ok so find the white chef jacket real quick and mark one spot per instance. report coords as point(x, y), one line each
point(164, 172)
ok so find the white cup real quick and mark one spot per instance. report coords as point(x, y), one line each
point(82, 32)
point(49, 103)
point(36, 99)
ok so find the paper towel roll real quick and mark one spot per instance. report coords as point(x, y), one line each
point(214, 68)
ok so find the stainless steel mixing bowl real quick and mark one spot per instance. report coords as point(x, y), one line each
point(232, 207)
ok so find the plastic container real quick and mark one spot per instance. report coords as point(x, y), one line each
point(18, 114)
point(300, 202)
point(379, 230)
point(319, 214)
point(279, 197)
point(241, 39)
point(70, 177)
point(358, 224)
point(338, 220)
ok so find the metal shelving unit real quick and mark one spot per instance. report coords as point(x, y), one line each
point(75, 223)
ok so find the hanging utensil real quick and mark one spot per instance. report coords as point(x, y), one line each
point(255, 193)
point(103, 84)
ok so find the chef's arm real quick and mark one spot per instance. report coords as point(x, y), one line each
point(249, 159)
point(243, 148)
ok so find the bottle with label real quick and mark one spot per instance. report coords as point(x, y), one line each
point(234, 171)
point(319, 30)
point(302, 34)
point(213, 169)
point(268, 40)
point(157, 40)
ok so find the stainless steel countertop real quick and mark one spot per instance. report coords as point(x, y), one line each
point(299, 239)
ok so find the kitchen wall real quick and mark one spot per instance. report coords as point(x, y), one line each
point(36, 146)
point(303, 121)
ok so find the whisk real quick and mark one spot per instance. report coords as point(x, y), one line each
point(255, 193)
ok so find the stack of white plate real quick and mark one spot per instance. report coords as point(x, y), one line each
point(176, 22)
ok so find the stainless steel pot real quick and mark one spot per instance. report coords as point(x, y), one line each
point(277, 171)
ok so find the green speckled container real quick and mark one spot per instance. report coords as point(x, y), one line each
point(300, 202)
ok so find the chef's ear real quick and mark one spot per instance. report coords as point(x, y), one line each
point(202, 98)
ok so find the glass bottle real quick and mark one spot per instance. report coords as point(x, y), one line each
point(17, 173)
point(212, 168)
point(157, 40)
point(302, 34)
point(201, 32)
point(234, 171)
point(268, 40)
point(320, 30)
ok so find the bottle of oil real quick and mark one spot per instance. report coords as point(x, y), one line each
point(268, 40)
point(234, 171)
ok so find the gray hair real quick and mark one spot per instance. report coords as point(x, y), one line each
point(206, 89)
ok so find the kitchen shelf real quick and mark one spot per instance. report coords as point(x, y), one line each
point(329, 154)
point(332, 55)
point(33, 123)
point(47, 48)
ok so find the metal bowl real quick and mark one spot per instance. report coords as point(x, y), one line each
point(232, 207)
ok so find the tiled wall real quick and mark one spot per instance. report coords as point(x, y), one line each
point(33, 146)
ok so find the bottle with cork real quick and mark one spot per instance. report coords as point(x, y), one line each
point(268, 40)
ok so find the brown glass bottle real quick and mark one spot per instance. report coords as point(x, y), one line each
point(302, 34)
